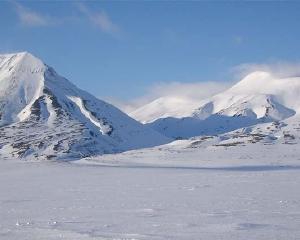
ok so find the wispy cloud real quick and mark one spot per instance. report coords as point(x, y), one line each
point(99, 19)
point(190, 92)
point(195, 92)
point(282, 69)
point(30, 18)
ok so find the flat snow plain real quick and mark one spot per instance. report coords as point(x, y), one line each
point(156, 194)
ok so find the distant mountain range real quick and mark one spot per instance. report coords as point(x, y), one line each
point(259, 98)
point(43, 115)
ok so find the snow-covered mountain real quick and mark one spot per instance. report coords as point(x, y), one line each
point(258, 98)
point(163, 107)
point(43, 115)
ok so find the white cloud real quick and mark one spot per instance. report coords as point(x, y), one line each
point(99, 19)
point(126, 106)
point(281, 69)
point(29, 17)
point(198, 90)
point(193, 92)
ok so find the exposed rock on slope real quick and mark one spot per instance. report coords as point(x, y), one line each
point(43, 115)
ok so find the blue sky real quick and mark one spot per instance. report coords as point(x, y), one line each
point(121, 49)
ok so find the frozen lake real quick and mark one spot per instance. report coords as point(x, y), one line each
point(69, 201)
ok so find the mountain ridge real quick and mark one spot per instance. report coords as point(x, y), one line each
point(43, 115)
point(259, 97)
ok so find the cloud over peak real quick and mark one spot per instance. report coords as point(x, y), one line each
point(185, 92)
point(281, 69)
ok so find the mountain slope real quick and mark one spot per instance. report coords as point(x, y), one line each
point(258, 98)
point(164, 107)
point(260, 93)
point(43, 115)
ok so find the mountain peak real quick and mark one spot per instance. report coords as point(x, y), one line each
point(21, 62)
point(253, 82)
point(18, 54)
point(44, 115)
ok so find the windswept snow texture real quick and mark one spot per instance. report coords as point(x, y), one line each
point(179, 191)
point(43, 115)
point(258, 98)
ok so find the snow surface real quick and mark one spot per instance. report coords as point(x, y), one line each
point(244, 184)
point(177, 191)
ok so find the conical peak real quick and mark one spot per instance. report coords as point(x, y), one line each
point(18, 54)
point(21, 62)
